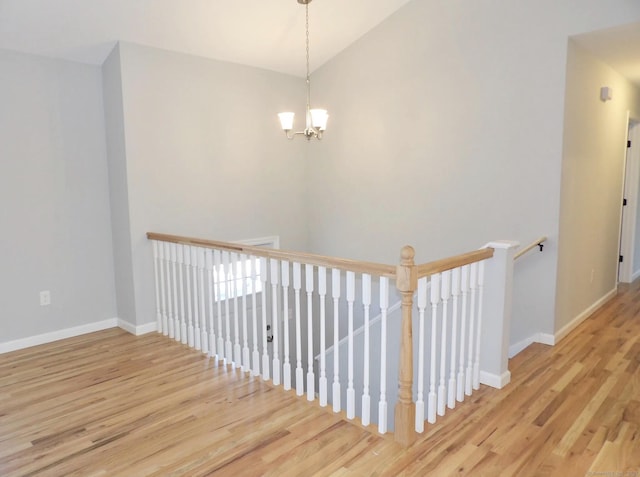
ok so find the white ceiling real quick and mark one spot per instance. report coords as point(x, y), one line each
point(263, 33)
point(618, 46)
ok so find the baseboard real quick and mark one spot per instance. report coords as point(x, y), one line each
point(548, 339)
point(57, 335)
point(137, 330)
point(514, 349)
point(569, 327)
point(494, 380)
point(635, 275)
point(542, 338)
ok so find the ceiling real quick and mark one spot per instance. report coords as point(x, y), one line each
point(262, 33)
point(618, 46)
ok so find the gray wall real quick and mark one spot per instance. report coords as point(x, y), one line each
point(446, 133)
point(204, 157)
point(54, 197)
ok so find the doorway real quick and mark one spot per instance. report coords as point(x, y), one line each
point(629, 262)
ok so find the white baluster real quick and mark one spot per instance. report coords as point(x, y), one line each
point(335, 294)
point(435, 299)
point(156, 274)
point(476, 364)
point(445, 290)
point(464, 289)
point(246, 277)
point(311, 392)
point(237, 350)
point(322, 291)
point(183, 316)
point(274, 319)
point(163, 299)
point(189, 298)
point(219, 278)
point(196, 298)
point(297, 285)
point(255, 276)
point(351, 394)
point(384, 306)
point(204, 347)
point(265, 351)
point(174, 281)
point(227, 284)
point(210, 282)
point(167, 258)
point(455, 292)
point(286, 367)
point(422, 305)
point(473, 285)
point(366, 303)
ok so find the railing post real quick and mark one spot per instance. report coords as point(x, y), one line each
point(496, 322)
point(406, 282)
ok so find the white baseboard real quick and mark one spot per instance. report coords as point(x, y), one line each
point(494, 380)
point(569, 327)
point(548, 339)
point(57, 335)
point(137, 330)
point(635, 275)
point(542, 338)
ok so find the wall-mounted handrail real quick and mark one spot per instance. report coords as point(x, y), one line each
point(536, 243)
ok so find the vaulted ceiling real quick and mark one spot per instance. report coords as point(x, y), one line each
point(263, 33)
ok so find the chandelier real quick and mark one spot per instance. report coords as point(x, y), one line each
point(316, 119)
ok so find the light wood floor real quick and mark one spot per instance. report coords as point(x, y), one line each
point(112, 404)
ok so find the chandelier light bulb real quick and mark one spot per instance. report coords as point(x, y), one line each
point(316, 119)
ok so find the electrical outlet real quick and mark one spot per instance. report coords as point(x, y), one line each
point(45, 298)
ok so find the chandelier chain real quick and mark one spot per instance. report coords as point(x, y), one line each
point(308, 75)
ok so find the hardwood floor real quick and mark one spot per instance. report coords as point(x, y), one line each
point(112, 404)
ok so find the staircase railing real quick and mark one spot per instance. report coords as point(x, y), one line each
point(265, 311)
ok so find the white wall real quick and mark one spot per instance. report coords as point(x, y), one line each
point(204, 157)
point(54, 210)
point(592, 183)
point(446, 132)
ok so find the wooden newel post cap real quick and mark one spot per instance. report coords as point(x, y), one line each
point(406, 280)
point(407, 255)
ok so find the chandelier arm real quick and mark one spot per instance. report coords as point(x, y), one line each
point(310, 130)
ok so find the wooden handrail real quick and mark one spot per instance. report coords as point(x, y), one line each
point(405, 274)
point(449, 263)
point(372, 268)
point(531, 246)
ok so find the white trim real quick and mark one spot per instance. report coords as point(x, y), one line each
point(635, 275)
point(546, 339)
point(542, 338)
point(271, 241)
point(568, 328)
point(139, 329)
point(36, 340)
point(494, 380)
point(514, 349)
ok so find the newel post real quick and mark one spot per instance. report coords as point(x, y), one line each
point(496, 322)
point(405, 411)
